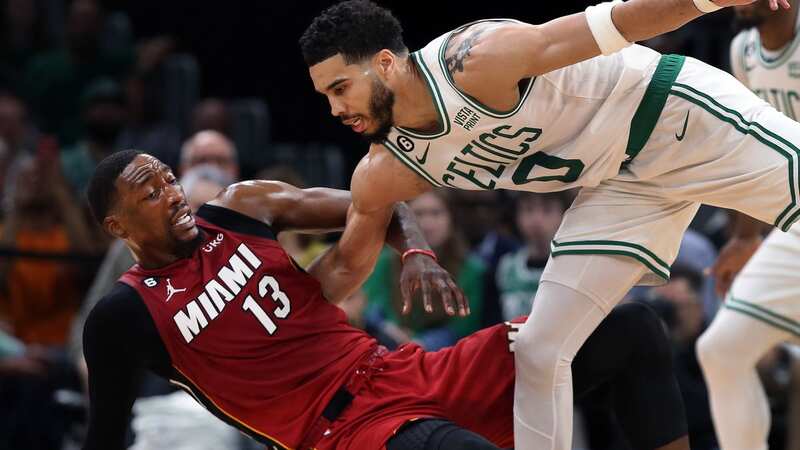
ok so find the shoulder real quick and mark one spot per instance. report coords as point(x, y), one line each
point(380, 180)
point(472, 51)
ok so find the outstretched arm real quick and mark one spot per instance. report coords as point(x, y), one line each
point(344, 268)
point(378, 182)
point(524, 50)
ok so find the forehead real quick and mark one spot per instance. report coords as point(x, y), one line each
point(324, 73)
point(140, 170)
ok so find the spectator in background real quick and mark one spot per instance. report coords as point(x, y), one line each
point(211, 114)
point(431, 330)
point(698, 253)
point(56, 80)
point(103, 119)
point(537, 217)
point(210, 147)
point(146, 127)
point(23, 34)
point(680, 306)
point(202, 183)
point(14, 134)
point(39, 297)
point(486, 218)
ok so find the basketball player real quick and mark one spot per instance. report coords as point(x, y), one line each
point(500, 104)
point(762, 307)
point(216, 306)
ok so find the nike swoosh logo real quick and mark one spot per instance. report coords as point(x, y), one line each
point(683, 132)
point(424, 155)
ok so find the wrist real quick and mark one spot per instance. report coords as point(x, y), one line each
point(418, 251)
point(706, 6)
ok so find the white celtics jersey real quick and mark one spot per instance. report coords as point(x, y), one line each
point(773, 76)
point(570, 127)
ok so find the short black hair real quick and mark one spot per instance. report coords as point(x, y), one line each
point(102, 191)
point(355, 28)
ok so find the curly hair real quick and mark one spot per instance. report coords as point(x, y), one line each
point(355, 28)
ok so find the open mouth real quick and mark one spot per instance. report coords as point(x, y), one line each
point(358, 124)
point(183, 219)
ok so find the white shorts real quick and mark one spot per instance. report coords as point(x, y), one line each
point(768, 287)
point(714, 142)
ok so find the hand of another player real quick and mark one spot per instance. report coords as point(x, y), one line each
point(733, 256)
point(773, 4)
point(421, 272)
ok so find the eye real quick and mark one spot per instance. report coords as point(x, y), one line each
point(172, 180)
point(153, 195)
point(339, 90)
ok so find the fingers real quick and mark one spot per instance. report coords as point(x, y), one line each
point(447, 297)
point(775, 4)
point(407, 288)
point(426, 297)
point(461, 300)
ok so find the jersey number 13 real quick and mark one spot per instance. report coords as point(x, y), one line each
point(269, 285)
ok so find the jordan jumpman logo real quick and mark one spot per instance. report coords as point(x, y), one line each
point(171, 290)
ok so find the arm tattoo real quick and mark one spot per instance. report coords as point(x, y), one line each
point(455, 60)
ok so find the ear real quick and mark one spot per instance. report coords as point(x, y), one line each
point(113, 226)
point(384, 62)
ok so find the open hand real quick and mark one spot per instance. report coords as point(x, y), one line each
point(424, 273)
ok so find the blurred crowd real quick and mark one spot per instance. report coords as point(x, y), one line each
point(76, 85)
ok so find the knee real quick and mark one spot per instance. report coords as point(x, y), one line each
point(637, 323)
point(535, 354)
point(712, 349)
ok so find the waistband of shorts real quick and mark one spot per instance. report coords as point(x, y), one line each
point(372, 362)
point(649, 110)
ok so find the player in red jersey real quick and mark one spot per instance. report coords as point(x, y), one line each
point(216, 306)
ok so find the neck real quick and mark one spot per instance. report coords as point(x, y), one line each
point(156, 258)
point(151, 259)
point(414, 106)
point(778, 29)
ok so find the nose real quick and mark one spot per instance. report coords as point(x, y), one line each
point(337, 107)
point(174, 194)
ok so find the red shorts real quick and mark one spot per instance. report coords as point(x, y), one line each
point(471, 384)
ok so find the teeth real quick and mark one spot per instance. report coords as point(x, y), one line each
point(183, 220)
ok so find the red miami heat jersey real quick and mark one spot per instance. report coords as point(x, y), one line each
point(249, 334)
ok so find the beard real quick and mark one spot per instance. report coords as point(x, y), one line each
point(381, 102)
point(185, 249)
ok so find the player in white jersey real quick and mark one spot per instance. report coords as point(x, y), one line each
point(762, 307)
point(500, 104)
